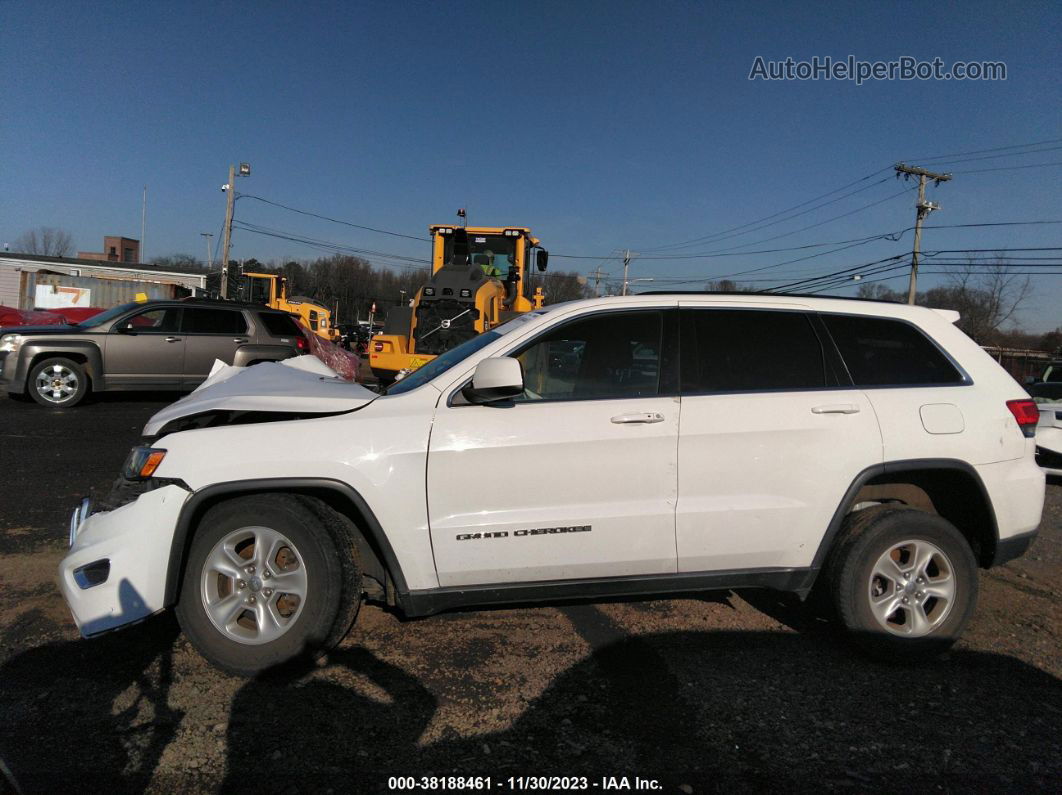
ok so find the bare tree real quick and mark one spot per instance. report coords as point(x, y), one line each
point(878, 292)
point(47, 240)
point(558, 286)
point(987, 298)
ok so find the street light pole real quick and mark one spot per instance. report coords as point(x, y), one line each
point(206, 236)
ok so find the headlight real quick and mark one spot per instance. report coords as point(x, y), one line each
point(142, 463)
point(9, 342)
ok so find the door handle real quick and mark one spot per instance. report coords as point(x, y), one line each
point(836, 408)
point(641, 418)
point(239, 340)
point(173, 339)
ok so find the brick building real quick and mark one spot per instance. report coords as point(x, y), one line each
point(115, 249)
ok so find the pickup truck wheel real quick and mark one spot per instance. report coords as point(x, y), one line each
point(58, 383)
point(264, 584)
point(904, 582)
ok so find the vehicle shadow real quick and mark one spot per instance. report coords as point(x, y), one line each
point(90, 714)
point(712, 710)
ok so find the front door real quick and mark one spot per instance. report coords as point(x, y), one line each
point(577, 478)
point(146, 349)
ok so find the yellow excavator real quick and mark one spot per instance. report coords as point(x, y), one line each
point(479, 279)
point(272, 290)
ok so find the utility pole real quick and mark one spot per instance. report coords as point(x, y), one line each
point(226, 240)
point(923, 208)
point(206, 236)
point(143, 227)
point(597, 276)
point(626, 269)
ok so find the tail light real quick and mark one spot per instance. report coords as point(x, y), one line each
point(1027, 414)
point(301, 343)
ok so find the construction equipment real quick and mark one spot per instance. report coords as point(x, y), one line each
point(272, 290)
point(479, 279)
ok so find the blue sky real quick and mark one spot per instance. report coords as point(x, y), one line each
point(600, 125)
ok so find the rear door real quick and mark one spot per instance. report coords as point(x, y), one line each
point(211, 334)
point(770, 439)
point(146, 349)
point(575, 479)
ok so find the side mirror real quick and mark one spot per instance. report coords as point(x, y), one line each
point(124, 328)
point(542, 259)
point(495, 379)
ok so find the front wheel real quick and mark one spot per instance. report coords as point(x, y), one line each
point(58, 382)
point(264, 584)
point(904, 582)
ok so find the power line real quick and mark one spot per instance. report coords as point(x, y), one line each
point(332, 220)
point(760, 224)
point(329, 246)
point(996, 157)
point(724, 252)
point(1009, 168)
point(983, 151)
point(951, 157)
point(890, 236)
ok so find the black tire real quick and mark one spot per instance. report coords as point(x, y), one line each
point(71, 382)
point(329, 570)
point(865, 539)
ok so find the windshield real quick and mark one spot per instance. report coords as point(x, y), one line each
point(441, 364)
point(493, 253)
point(110, 314)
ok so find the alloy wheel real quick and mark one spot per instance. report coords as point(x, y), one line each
point(912, 588)
point(253, 585)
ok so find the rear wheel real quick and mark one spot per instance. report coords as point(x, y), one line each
point(265, 583)
point(57, 382)
point(904, 582)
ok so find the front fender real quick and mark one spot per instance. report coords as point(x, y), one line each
point(197, 504)
point(83, 351)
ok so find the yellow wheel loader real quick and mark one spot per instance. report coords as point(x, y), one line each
point(272, 290)
point(479, 279)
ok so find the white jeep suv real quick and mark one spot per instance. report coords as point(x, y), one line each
point(616, 446)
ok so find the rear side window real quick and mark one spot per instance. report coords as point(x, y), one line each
point(279, 325)
point(883, 352)
point(726, 350)
point(213, 321)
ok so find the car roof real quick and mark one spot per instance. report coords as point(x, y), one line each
point(212, 303)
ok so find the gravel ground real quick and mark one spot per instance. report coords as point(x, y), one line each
point(729, 691)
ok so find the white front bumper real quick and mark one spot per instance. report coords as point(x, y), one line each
point(135, 539)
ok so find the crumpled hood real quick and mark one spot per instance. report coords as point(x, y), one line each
point(301, 385)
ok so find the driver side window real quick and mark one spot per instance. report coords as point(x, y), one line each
point(613, 355)
point(154, 321)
